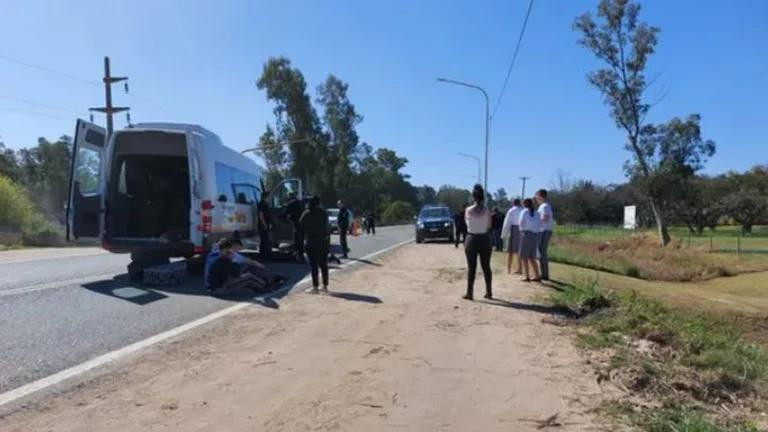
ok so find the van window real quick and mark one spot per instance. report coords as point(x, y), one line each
point(237, 186)
point(88, 169)
point(224, 183)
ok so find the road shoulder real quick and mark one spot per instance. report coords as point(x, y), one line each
point(393, 348)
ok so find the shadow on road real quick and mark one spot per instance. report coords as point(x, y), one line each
point(356, 297)
point(122, 288)
point(543, 309)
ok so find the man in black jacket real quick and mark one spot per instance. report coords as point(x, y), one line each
point(295, 208)
point(343, 222)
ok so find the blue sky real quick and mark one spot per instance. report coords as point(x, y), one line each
point(196, 61)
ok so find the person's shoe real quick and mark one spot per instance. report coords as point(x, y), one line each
point(545, 279)
point(468, 297)
point(325, 290)
point(312, 290)
point(489, 296)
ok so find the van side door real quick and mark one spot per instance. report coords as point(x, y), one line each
point(86, 181)
point(282, 227)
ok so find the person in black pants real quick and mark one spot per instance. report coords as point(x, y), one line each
point(497, 222)
point(264, 226)
point(478, 243)
point(343, 222)
point(295, 209)
point(460, 226)
point(370, 224)
point(314, 223)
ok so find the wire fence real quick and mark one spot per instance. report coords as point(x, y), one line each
point(725, 240)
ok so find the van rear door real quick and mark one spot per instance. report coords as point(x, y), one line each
point(86, 181)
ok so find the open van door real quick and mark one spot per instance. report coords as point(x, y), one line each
point(86, 181)
point(282, 228)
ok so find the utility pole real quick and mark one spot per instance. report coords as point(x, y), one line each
point(487, 119)
point(108, 109)
point(524, 179)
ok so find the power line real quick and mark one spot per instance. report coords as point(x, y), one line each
point(514, 57)
point(37, 114)
point(49, 70)
point(43, 105)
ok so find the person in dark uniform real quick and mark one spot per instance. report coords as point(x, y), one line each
point(370, 223)
point(314, 223)
point(343, 222)
point(497, 223)
point(264, 226)
point(460, 225)
point(295, 209)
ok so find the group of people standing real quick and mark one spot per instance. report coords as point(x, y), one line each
point(526, 228)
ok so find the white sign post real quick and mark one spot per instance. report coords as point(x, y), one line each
point(629, 217)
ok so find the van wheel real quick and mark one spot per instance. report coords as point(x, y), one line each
point(419, 239)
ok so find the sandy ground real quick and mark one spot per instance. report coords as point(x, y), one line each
point(394, 349)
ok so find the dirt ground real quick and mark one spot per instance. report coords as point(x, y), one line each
point(395, 348)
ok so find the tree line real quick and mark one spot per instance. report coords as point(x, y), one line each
point(321, 146)
point(700, 202)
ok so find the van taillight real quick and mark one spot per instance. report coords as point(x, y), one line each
point(206, 220)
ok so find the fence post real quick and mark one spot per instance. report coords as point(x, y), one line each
point(710, 243)
point(738, 244)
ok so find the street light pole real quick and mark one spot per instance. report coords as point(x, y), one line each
point(477, 159)
point(524, 179)
point(487, 119)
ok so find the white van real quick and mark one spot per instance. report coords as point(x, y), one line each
point(164, 190)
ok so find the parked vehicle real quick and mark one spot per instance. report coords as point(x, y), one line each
point(333, 219)
point(434, 222)
point(163, 190)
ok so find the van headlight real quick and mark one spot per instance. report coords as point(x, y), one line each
point(447, 224)
point(421, 225)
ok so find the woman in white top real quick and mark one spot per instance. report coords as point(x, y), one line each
point(511, 231)
point(529, 239)
point(478, 242)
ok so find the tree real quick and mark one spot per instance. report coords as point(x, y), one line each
point(624, 44)
point(453, 197)
point(501, 199)
point(426, 195)
point(747, 202)
point(275, 157)
point(340, 119)
point(297, 121)
point(661, 155)
point(397, 212)
point(45, 173)
point(701, 203)
point(9, 166)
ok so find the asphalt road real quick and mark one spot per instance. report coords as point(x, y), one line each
point(59, 308)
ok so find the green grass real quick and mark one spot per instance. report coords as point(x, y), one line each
point(638, 254)
point(686, 420)
point(703, 350)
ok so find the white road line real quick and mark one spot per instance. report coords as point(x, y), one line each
point(48, 258)
point(59, 377)
point(57, 284)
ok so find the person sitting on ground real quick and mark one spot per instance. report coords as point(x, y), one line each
point(225, 276)
point(247, 265)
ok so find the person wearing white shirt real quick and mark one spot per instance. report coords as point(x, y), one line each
point(478, 242)
point(530, 226)
point(547, 224)
point(511, 232)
